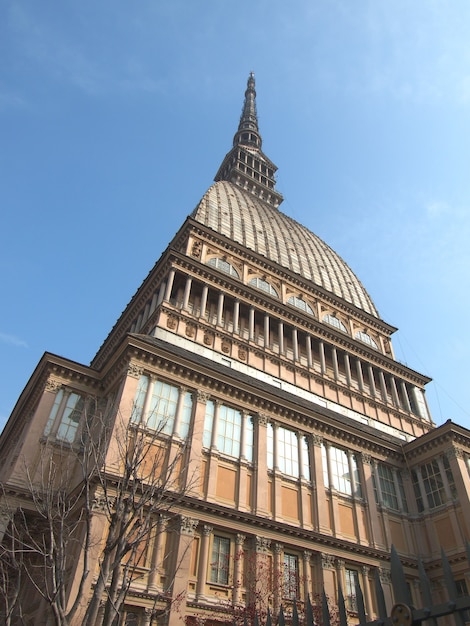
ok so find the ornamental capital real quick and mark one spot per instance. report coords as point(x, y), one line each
point(207, 530)
point(455, 453)
point(317, 440)
point(327, 561)
point(188, 526)
point(262, 544)
point(134, 370)
point(53, 385)
point(240, 539)
point(366, 458)
point(202, 396)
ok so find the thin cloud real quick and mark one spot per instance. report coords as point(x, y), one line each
point(12, 340)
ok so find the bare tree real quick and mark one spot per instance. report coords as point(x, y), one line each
point(121, 471)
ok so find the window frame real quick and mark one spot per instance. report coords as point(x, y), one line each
point(219, 566)
point(65, 417)
point(290, 576)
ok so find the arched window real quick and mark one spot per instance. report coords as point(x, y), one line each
point(259, 283)
point(332, 320)
point(223, 266)
point(365, 338)
point(300, 304)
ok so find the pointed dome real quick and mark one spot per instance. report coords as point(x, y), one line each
point(251, 222)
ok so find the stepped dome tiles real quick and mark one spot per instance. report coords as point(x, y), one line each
point(254, 224)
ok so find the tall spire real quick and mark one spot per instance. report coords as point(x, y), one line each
point(248, 132)
point(246, 165)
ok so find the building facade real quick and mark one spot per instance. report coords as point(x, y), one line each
point(257, 365)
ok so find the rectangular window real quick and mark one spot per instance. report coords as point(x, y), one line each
point(291, 576)
point(229, 431)
point(162, 409)
point(65, 416)
point(287, 452)
point(433, 484)
point(231, 424)
point(352, 582)
point(161, 400)
point(337, 473)
point(387, 487)
point(220, 560)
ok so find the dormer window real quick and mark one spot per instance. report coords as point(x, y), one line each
point(366, 338)
point(300, 304)
point(259, 283)
point(332, 320)
point(223, 266)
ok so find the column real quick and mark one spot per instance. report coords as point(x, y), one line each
point(393, 386)
point(220, 309)
point(458, 465)
point(261, 469)
point(266, 330)
point(179, 411)
point(406, 399)
point(295, 344)
point(308, 348)
point(161, 292)
point(187, 291)
point(148, 399)
point(322, 357)
point(347, 368)
point(238, 569)
point(157, 552)
point(281, 338)
point(236, 316)
point(148, 614)
point(366, 591)
point(203, 561)
point(334, 355)
point(360, 377)
point(355, 504)
point(213, 460)
point(321, 504)
point(205, 293)
point(251, 323)
point(370, 371)
point(376, 538)
point(169, 285)
point(383, 386)
point(194, 469)
point(277, 578)
point(182, 564)
point(215, 425)
point(307, 575)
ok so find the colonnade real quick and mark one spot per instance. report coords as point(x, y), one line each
point(287, 341)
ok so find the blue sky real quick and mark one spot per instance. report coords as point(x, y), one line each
point(114, 118)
